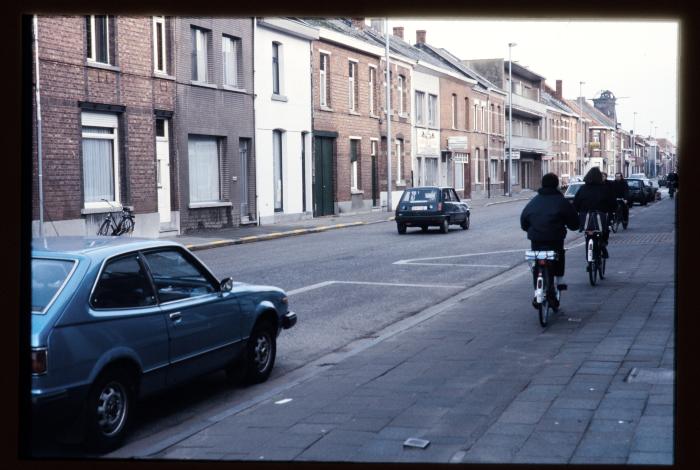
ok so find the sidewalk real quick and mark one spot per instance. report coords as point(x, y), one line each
point(483, 382)
point(204, 239)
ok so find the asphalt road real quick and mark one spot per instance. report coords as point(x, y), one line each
point(344, 285)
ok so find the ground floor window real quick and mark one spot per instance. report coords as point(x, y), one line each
point(477, 166)
point(204, 165)
point(354, 154)
point(493, 171)
point(459, 176)
point(278, 184)
point(545, 166)
point(431, 171)
point(516, 172)
point(100, 158)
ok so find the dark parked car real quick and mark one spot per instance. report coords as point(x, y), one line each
point(571, 191)
point(431, 205)
point(115, 319)
point(639, 191)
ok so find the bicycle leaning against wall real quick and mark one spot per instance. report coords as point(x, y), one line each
point(114, 227)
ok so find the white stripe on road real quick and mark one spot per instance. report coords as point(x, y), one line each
point(457, 264)
point(389, 284)
point(411, 261)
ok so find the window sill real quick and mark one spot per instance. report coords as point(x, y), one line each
point(374, 116)
point(403, 116)
point(326, 108)
point(103, 209)
point(204, 205)
point(354, 113)
point(163, 75)
point(233, 88)
point(400, 183)
point(276, 97)
point(100, 65)
point(204, 84)
point(356, 191)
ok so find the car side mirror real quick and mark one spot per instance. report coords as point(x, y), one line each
point(226, 284)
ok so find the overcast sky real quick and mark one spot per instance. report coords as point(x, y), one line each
point(637, 60)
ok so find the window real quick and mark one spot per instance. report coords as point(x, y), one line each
point(545, 166)
point(176, 277)
point(373, 148)
point(100, 158)
point(466, 113)
point(477, 166)
point(324, 82)
point(474, 122)
point(204, 164)
point(354, 182)
point(48, 278)
point(454, 111)
point(352, 85)
point(500, 130)
point(431, 171)
point(492, 121)
point(231, 55)
point(420, 107)
point(432, 110)
point(277, 169)
point(402, 99)
point(372, 85)
point(276, 67)
point(399, 159)
point(98, 44)
point(159, 51)
point(459, 175)
point(123, 283)
point(493, 170)
point(200, 55)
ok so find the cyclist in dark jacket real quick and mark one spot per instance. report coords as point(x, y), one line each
point(545, 219)
point(622, 191)
point(595, 196)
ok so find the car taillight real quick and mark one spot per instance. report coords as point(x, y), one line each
point(541, 262)
point(439, 206)
point(39, 361)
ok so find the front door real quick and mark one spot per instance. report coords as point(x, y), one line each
point(527, 175)
point(375, 182)
point(323, 176)
point(243, 147)
point(163, 169)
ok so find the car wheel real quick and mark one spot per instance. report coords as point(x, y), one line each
point(401, 228)
point(465, 224)
point(445, 226)
point(424, 228)
point(645, 202)
point(261, 350)
point(109, 408)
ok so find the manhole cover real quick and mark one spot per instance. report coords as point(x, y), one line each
point(650, 376)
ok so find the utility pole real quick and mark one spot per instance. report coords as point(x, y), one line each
point(580, 118)
point(510, 119)
point(634, 142)
point(389, 205)
point(38, 128)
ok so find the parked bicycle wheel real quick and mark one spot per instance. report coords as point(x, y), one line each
point(127, 226)
point(106, 228)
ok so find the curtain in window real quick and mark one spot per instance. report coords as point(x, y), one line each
point(275, 68)
point(231, 56)
point(101, 39)
point(277, 171)
point(203, 169)
point(199, 55)
point(98, 167)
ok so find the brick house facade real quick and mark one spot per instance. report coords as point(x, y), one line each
point(100, 100)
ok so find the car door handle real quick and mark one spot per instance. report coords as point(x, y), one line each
point(175, 316)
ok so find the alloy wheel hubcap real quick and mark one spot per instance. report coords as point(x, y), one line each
point(262, 352)
point(111, 408)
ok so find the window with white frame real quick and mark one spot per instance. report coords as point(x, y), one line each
point(477, 166)
point(200, 55)
point(466, 113)
point(276, 57)
point(454, 111)
point(474, 121)
point(420, 108)
point(232, 57)
point(516, 172)
point(98, 38)
point(354, 154)
point(402, 99)
point(352, 85)
point(160, 53)
point(278, 183)
point(372, 85)
point(493, 170)
point(545, 166)
point(399, 159)
point(432, 110)
point(459, 175)
point(100, 158)
point(324, 82)
point(498, 118)
point(204, 163)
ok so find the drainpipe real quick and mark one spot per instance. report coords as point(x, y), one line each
point(257, 176)
point(488, 143)
point(388, 119)
point(38, 127)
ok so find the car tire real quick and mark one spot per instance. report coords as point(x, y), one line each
point(401, 228)
point(465, 224)
point(424, 228)
point(644, 202)
point(445, 225)
point(108, 410)
point(260, 352)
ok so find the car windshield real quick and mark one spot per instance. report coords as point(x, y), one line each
point(420, 195)
point(48, 277)
point(633, 183)
point(572, 189)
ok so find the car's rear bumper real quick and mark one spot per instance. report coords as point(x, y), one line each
point(429, 219)
point(54, 408)
point(289, 320)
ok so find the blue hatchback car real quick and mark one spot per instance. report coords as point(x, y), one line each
point(115, 319)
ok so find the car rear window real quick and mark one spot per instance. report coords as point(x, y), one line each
point(420, 195)
point(573, 189)
point(48, 278)
point(633, 183)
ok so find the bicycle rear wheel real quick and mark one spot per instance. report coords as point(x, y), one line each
point(127, 226)
point(104, 228)
point(592, 272)
point(544, 309)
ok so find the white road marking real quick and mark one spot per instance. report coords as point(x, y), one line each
point(367, 283)
point(457, 264)
point(411, 261)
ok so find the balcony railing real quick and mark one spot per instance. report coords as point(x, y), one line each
point(529, 105)
point(530, 143)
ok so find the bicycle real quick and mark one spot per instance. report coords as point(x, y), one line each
point(110, 226)
point(540, 263)
point(618, 217)
point(594, 257)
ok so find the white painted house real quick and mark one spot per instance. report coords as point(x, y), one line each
point(427, 166)
point(282, 81)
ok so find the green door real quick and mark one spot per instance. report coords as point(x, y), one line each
point(323, 176)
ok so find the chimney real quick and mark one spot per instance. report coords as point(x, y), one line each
point(558, 94)
point(398, 31)
point(358, 23)
point(420, 36)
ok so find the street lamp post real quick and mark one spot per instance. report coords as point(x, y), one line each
point(389, 205)
point(634, 142)
point(510, 119)
point(580, 110)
